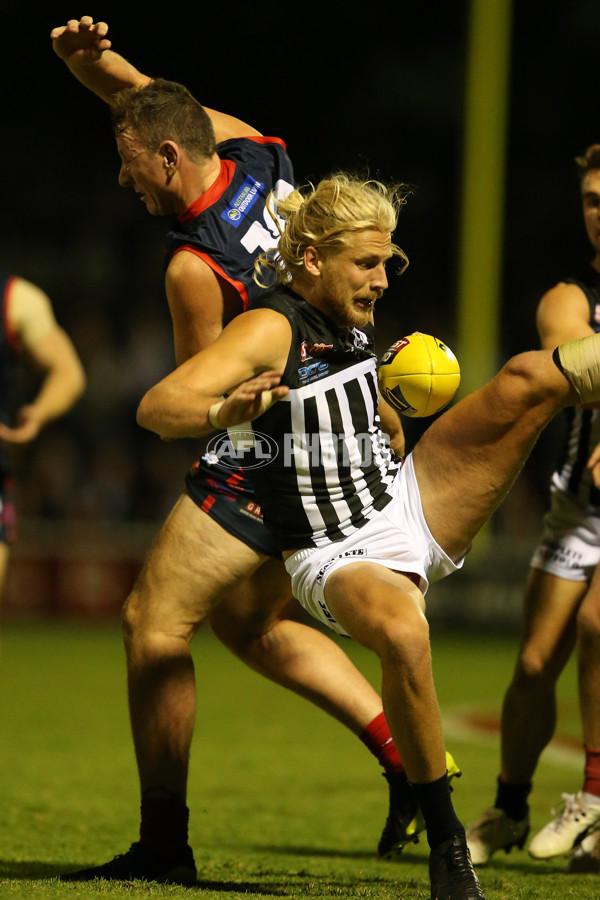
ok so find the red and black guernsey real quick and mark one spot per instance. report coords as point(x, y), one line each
point(229, 226)
point(8, 367)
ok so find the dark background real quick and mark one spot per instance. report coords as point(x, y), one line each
point(377, 88)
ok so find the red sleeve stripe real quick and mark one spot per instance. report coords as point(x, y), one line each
point(238, 285)
point(267, 140)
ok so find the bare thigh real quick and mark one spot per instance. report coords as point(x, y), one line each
point(468, 459)
point(372, 602)
point(192, 562)
point(254, 605)
point(549, 615)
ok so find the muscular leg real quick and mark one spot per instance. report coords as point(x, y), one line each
point(468, 459)
point(245, 597)
point(253, 621)
point(383, 611)
point(257, 624)
point(192, 559)
point(568, 831)
point(529, 708)
point(466, 463)
point(588, 636)
point(193, 566)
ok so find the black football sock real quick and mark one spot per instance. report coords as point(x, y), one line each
point(164, 823)
point(436, 805)
point(512, 798)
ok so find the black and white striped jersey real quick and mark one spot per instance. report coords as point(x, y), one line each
point(321, 466)
point(583, 425)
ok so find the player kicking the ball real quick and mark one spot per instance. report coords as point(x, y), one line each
point(213, 559)
point(363, 538)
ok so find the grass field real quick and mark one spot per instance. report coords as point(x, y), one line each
point(284, 801)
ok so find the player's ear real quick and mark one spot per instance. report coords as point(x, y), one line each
point(169, 152)
point(312, 260)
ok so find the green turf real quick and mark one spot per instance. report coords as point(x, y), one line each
point(284, 801)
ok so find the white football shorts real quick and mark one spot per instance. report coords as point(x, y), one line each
point(396, 537)
point(570, 543)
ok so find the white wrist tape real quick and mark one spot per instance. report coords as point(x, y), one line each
point(579, 361)
point(213, 414)
point(267, 400)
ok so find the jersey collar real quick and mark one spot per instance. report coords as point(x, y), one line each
point(214, 192)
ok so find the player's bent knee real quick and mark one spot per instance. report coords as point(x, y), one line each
point(150, 625)
point(538, 376)
point(403, 640)
point(526, 377)
point(534, 669)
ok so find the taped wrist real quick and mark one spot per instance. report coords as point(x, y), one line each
point(579, 361)
point(213, 414)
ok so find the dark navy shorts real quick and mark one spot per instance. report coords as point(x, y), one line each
point(228, 498)
point(8, 531)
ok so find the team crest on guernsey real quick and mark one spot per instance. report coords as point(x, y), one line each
point(360, 339)
point(243, 201)
point(307, 349)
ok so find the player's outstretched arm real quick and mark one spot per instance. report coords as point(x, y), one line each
point(83, 46)
point(50, 350)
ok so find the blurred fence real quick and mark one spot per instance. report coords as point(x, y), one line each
point(76, 569)
point(86, 570)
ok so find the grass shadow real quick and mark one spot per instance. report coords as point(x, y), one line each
point(243, 887)
point(525, 867)
point(32, 869)
point(321, 853)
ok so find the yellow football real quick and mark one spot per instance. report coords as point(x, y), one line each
point(419, 375)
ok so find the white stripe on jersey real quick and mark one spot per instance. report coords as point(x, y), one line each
point(352, 500)
point(380, 450)
point(573, 476)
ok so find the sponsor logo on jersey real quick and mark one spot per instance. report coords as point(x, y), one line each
point(253, 510)
point(307, 350)
point(312, 372)
point(243, 201)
